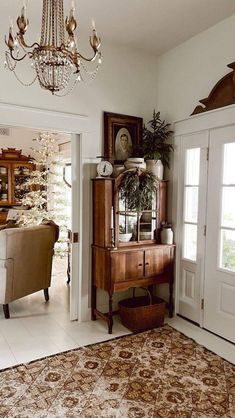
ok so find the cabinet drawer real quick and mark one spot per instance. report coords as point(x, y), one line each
point(127, 265)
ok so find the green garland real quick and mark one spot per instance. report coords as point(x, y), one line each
point(137, 188)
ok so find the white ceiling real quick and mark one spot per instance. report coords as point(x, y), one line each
point(151, 25)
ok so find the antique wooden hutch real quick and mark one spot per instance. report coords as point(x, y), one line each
point(15, 168)
point(143, 260)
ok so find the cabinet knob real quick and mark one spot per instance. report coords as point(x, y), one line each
point(140, 265)
point(147, 264)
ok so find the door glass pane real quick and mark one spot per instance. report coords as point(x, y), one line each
point(192, 166)
point(228, 207)
point(229, 159)
point(191, 204)
point(227, 253)
point(190, 242)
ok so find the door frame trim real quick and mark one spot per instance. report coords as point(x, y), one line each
point(207, 121)
point(37, 118)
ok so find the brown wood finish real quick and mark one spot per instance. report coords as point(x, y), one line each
point(12, 159)
point(128, 265)
point(3, 218)
point(102, 204)
point(221, 95)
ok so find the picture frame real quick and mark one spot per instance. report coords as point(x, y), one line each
point(122, 134)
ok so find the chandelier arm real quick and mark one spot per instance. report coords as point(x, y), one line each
point(87, 59)
point(18, 59)
point(23, 43)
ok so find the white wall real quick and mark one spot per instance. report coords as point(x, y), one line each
point(125, 84)
point(188, 73)
point(23, 138)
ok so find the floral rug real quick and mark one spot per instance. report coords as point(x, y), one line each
point(155, 374)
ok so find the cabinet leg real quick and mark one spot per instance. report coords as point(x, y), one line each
point(93, 303)
point(110, 314)
point(171, 303)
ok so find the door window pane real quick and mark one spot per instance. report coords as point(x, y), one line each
point(227, 253)
point(191, 204)
point(228, 207)
point(190, 242)
point(229, 167)
point(192, 166)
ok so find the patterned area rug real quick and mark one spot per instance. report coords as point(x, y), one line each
point(156, 374)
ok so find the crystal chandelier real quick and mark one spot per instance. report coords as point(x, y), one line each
point(58, 64)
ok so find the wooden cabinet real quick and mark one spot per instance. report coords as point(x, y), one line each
point(15, 168)
point(118, 266)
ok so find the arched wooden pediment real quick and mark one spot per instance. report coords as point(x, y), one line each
point(222, 94)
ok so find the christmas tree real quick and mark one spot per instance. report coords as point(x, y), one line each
point(47, 198)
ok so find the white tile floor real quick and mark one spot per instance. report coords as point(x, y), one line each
point(37, 329)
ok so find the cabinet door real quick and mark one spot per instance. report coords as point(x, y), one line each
point(155, 261)
point(128, 265)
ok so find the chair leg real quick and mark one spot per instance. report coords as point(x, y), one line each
point(6, 311)
point(46, 294)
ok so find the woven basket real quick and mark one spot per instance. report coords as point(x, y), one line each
point(142, 313)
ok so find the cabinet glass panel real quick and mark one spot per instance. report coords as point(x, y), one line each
point(4, 186)
point(134, 226)
point(21, 174)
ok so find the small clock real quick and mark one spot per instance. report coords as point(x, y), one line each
point(104, 169)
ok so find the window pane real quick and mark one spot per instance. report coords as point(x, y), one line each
point(192, 166)
point(229, 168)
point(190, 242)
point(228, 207)
point(191, 204)
point(227, 255)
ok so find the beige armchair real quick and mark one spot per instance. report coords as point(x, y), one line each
point(25, 262)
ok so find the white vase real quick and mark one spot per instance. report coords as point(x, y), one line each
point(167, 235)
point(156, 167)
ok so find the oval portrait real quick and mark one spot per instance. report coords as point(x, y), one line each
point(123, 144)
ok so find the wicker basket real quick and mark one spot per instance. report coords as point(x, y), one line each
point(142, 313)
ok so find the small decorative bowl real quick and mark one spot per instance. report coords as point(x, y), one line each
point(125, 237)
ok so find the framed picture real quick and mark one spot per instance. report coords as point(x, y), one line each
point(122, 134)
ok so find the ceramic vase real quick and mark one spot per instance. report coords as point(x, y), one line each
point(155, 167)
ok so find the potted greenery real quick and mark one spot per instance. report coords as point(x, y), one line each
point(137, 188)
point(154, 147)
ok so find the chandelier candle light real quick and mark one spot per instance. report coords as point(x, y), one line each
point(56, 58)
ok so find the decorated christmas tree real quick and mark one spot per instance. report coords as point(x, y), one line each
point(47, 198)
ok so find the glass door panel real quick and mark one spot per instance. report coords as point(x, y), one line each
point(190, 210)
point(227, 219)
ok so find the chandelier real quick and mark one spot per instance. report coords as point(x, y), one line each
point(58, 64)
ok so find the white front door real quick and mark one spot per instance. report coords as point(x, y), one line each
point(192, 214)
point(219, 290)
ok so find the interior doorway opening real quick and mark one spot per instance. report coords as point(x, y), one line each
point(25, 152)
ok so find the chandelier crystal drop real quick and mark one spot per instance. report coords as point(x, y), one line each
point(55, 58)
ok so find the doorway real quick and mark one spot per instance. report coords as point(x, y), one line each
point(206, 230)
point(33, 118)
